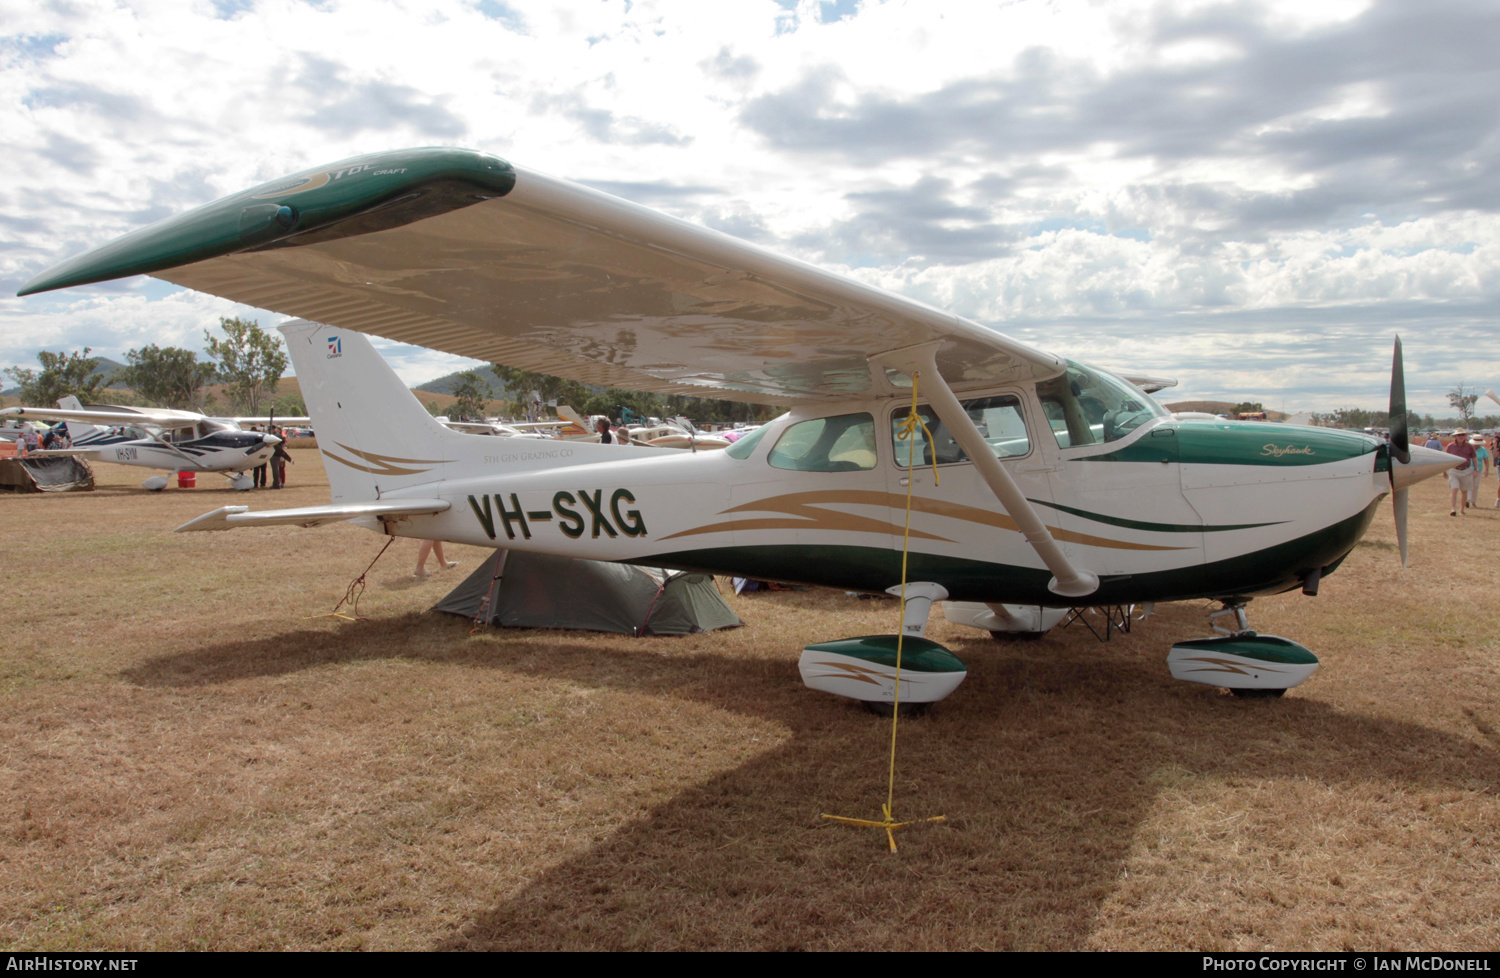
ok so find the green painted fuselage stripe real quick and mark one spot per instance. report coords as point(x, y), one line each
point(1244, 443)
point(1152, 527)
point(1269, 571)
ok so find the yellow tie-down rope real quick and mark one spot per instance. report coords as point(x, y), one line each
point(356, 591)
point(888, 821)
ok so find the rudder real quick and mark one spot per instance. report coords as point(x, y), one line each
point(374, 434)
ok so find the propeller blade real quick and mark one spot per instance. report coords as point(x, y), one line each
point(1400, 440)
point(1398, 505)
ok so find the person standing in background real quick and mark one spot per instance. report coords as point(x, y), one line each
point(279, 459)
point(1461, 480)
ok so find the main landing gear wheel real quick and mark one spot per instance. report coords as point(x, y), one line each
point(1259, 694)
point(902, 709)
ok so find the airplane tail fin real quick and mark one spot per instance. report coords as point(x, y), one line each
point(374, 434)
point(80, 433)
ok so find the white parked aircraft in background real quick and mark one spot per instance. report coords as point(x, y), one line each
point(1045, 483)
point(159, 438)
point(498, 429)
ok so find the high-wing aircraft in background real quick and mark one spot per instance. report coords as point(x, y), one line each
point(160, 438)
point(1045, 483)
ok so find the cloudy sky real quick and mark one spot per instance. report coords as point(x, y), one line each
point(1253, 196)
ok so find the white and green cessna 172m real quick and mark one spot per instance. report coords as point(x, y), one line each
point(1046, 483)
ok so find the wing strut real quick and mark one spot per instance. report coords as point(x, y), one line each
point(1067, 580)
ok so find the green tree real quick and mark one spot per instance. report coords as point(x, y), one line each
point(250, 361)
point(289, 405)
point(167, 376)
point(1352, 417)
point(62, 374)
point(1248, 407)
point(610, 400)
point(519, 384)
point(472, 394)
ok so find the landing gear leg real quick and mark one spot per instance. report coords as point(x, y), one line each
point(1235, 607)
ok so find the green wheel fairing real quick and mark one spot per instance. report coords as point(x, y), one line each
point(917, 654)
point(1266, 648)
point(1269, 571)
point(352, 197)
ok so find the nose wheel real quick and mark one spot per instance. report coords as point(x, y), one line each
point(1248, 664)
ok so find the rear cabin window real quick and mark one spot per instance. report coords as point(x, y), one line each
point(998, 419)
point(841, 444)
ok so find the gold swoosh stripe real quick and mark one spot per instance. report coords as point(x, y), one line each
point(380, 470)
point(1224, 665)
point(861, 673)
point(802, 503)
point(823, 520)
point(377, 458)
point(383, 464)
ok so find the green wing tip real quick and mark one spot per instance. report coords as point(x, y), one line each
point(362, 187)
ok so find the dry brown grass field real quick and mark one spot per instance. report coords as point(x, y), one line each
point(193, 760)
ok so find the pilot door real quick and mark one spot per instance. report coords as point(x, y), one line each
point(1117, 499)
point(954, 513)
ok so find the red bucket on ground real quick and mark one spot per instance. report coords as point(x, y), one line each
point(187, 480)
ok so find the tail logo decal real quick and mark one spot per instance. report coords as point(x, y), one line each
point(385, 464)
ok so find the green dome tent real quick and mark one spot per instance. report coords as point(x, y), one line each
point(528, 590)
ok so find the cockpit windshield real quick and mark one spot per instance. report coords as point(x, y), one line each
point(1090, 406)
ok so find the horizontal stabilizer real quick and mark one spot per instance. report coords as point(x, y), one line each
point(234, 517)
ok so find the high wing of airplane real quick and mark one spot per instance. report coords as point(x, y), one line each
point(1040, 483)
point(158, 438)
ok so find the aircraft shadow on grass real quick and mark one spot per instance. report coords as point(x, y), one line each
point(1046, 764)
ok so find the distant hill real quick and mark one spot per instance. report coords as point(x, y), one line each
point(446, 383)
point(106, 366)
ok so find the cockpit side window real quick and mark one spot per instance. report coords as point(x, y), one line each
point(746, 444)
point(845, 443)
point(998, 419)
point(1088, 406)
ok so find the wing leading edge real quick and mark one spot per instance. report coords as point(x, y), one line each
point(542, 274)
